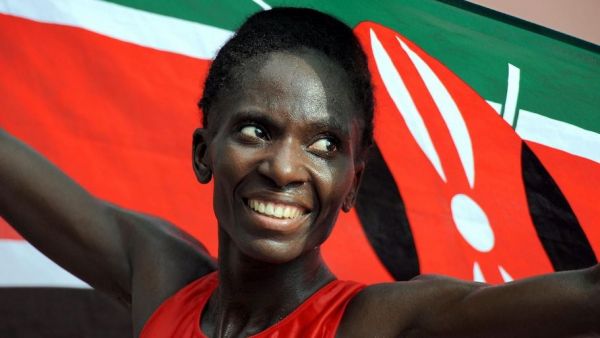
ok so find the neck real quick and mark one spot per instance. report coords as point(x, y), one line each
point(253, 295)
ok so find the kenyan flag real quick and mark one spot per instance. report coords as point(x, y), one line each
point(486, 165)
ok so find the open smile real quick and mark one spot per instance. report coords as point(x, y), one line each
point(275, 210)
point(280, 217)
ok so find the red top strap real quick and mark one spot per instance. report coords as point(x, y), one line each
point(318, 316)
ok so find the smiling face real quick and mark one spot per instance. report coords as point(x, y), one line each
point(282, 147)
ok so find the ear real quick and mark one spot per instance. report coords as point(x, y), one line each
point(199, 156)
point(350, 199)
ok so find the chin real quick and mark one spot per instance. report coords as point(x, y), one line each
point(272, 251)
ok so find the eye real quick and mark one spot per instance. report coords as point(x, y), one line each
point(254, 132)
point(324, 145)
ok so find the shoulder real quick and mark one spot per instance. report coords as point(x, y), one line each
point(156, 245)
point(162, 258)
point(403, 308)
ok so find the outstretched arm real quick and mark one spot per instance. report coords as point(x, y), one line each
point(564, 304)
point(112, 249)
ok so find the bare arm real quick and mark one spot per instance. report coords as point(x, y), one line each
point(115, 250)
point(564, 304)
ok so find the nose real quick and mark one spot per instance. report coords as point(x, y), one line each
point(285, 164)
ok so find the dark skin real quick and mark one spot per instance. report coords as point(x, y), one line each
point(288, 134)
point(289, 138)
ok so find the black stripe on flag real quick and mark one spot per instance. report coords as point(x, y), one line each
point(383, 216)
point(557, 226)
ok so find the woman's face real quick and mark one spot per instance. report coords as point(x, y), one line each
point(283, 147)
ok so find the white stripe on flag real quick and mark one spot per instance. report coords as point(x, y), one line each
point(124, 23)
point(555, 134)
point(22, 265)
point(512, 93)
point(203, 41)
point(560, 135)
point(496, 106)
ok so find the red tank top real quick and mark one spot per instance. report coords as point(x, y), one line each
point(318, 316)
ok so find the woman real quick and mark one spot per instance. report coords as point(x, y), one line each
point(287, 122)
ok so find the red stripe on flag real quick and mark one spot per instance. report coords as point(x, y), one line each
point(446, 237)
point(6, 232)
point(119, 119)
point(116, 117)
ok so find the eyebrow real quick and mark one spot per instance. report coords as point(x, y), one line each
point(330, 125)
point(257, 116)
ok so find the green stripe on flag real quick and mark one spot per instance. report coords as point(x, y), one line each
point(225, 14)
point(559, 77)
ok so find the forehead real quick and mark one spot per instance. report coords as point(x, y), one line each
point(303, 85)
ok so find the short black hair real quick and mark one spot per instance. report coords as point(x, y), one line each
point(292, 29)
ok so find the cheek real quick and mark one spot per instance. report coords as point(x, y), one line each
point(334, 184)
point(230, 165)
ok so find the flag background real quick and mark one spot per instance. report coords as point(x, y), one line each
point(101, 87)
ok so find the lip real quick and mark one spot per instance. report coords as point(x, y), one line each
point(278, 225)
point(291, 199)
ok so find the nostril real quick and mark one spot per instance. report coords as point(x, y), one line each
point(285, 170)
point(293, 185)
point(284, 182)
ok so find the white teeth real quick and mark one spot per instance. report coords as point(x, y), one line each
point(274, 210)
point(279, 211)
point(270, 209)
